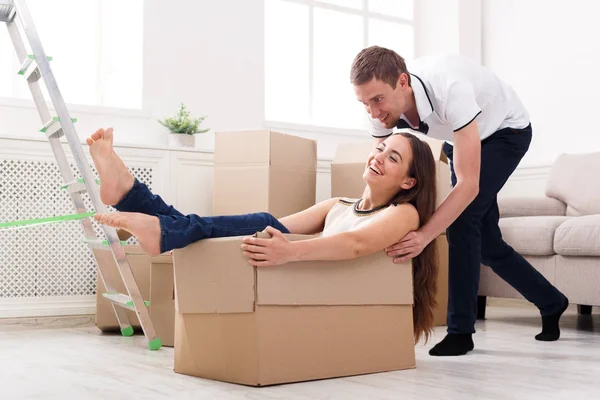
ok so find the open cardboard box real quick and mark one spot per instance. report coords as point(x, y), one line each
point(296, 322)
point(347, 171)
point(154, 277)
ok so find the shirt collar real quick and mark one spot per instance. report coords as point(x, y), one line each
point(423, 102)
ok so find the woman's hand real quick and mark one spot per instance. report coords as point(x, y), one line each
point(268, 252)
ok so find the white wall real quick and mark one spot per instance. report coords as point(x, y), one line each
point(208, 54)
point(549, 52)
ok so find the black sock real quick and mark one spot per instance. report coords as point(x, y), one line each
point(550, 327)
point(454, 344)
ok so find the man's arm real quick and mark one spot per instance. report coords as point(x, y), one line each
point(467, 164)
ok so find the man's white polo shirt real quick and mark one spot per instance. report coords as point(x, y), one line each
point(450, 92)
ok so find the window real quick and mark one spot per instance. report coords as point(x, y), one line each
point(96, 50)
point(309, 48)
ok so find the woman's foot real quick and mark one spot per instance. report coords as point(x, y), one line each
point(146, 228)
point(115, 178)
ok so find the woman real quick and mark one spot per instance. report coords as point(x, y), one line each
point(398, 198)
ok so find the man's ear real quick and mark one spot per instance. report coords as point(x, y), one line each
point(402, 80)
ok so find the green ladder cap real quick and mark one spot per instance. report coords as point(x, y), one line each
point(127, 331)
point(27, 63)
point(40, 221)
point(52, 121)
point(155, 344)
point(79, 180)
point(130, 303)
point(31, 56)
point(123, 243)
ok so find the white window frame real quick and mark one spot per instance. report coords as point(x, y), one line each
point(28, 103)
point(366, 15)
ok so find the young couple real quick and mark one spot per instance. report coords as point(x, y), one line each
point(452, 98)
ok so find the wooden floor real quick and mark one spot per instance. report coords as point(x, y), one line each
point(43, 359)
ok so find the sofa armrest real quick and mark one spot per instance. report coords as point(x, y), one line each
point(530, 206)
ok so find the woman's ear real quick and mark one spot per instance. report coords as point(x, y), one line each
point(408, 183)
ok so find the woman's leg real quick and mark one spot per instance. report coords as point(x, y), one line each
point(140, 199)
point(118, 187)
point(161, 233)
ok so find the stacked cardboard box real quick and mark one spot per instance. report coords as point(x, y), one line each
point(347, 171)
point(263, 171)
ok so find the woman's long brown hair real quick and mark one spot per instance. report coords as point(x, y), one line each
point(424, 266)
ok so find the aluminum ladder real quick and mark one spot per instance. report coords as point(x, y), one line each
point(35, 66)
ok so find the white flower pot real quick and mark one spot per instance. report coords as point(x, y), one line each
point(182, 140)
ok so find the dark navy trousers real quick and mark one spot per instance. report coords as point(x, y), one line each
point(475, 238)
point(178, 230)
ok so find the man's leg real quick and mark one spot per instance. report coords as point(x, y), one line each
point(520, 274)
point(500, 155)
point(161, 233)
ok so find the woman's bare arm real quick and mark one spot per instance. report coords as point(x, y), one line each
point(311, 220)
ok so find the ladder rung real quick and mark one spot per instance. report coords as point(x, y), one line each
point(7, 12)
point(53, 126)
point(29, 66)
point(122, 300)
point(100, 244)
point(77, 186)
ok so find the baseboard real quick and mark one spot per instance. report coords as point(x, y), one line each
point(44, 307)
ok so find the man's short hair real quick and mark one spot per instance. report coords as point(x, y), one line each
point(377, 62)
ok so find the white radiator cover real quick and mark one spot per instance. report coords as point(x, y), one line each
point(47, 260)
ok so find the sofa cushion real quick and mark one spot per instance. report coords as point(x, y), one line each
point(574, 180)
point(578, 237)
point(522, 206)
point(532, 236)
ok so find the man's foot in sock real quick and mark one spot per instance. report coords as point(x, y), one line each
point(454, 344)
point(115, 178)
point(145, 228)
point(550, 325)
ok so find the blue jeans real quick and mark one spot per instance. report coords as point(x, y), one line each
point(178, 230)
point(474, 237)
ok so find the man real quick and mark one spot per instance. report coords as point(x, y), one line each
point(487, 132)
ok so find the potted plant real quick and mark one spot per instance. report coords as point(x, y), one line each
point(183, 127)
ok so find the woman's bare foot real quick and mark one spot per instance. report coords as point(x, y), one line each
point(115, 178)
point(145, 228)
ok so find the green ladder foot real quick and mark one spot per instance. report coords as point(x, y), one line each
point(155, 344)
point(127, 331)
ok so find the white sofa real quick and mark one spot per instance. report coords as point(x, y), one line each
point(559, 233)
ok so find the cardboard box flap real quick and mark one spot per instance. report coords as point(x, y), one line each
point(212, 276)
point(368, 280)
point(293, 151)
point(436, 148)
point(264, 147)
point(351, 153)
point(241, 148)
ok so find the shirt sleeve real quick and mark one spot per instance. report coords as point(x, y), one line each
point(377, 129)
point(461, 105)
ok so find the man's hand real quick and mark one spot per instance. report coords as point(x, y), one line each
point(409, 247)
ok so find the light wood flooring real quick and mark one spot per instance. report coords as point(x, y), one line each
point(57, 358)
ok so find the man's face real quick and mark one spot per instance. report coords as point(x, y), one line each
point(382, 101)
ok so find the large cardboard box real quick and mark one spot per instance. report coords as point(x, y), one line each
point(347, 171)
point(154, 277)
point(296, 322)
point(263, 171)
